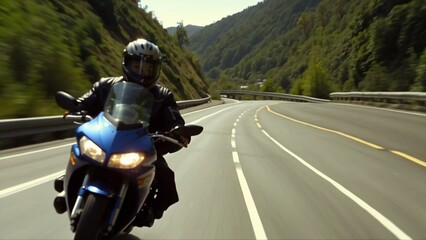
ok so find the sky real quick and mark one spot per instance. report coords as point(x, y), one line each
point(194, 12)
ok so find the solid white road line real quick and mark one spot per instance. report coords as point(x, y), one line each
point(21, 187)
point(196, 121)
point(373, 212)
point(35, 151)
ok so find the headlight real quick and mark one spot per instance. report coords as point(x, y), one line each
point(90, 149)
point(126, 160)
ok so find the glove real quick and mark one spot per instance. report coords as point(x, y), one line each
point(184, 140)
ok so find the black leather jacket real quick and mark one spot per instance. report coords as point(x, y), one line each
point(165, 112)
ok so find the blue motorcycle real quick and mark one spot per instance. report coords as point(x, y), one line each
point(110, 172)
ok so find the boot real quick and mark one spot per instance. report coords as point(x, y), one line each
point(144, 218)
point(157, 210)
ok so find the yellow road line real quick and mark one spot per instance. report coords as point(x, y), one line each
point(411, 158)
point(404, 155)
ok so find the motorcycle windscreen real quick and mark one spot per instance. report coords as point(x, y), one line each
point(129, 104)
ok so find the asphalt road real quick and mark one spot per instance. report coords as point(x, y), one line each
point(260, 170)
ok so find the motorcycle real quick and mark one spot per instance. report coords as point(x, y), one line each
point(110, 173)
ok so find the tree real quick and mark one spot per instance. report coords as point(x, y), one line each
point(323, 14)
point(226, 83)
point(376, 79)
point(420, 81)
point(268, 86)
point(316, 81)
point(307, 23)
point(181, 35)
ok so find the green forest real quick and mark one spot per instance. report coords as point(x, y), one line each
point(313, 47)
point(306, 47)
point(51, 45)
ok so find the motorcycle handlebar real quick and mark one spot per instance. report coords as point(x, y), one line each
point(158, 135)
point(172, 140)
point(73, 117)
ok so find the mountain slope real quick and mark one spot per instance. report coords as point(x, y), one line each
point(226, 42)
point(67, 45)
point(313, 48)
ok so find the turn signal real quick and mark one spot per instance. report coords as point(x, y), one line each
point(72, 158)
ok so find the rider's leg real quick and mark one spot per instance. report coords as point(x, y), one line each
point(167, 193)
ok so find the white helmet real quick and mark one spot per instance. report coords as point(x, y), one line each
point(149, 57)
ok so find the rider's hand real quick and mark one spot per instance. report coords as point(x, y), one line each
point(65, 114)
point(72, 113)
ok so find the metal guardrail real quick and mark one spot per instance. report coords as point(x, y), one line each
point(192, 103)
point(400, 97)
point(271, 95)
point(402, 100)
point(15, 132)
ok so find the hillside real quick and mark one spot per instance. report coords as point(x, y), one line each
point(67, 45)
point(315, 47)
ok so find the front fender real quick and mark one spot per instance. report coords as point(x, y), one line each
point(98, 188)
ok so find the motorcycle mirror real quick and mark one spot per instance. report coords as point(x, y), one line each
point(187, 130)
point(66, 101)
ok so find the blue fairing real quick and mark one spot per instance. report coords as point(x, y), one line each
point(75, 149)
point(111, 140)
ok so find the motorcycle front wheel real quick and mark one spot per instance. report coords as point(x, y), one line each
point(93, 218)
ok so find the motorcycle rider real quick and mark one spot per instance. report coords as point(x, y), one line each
point(141, 63)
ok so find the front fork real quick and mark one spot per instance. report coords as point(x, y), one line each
point(119, 199)
point(117, 207)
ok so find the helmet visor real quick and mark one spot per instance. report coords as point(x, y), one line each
point(149, 69)
point(144, 67)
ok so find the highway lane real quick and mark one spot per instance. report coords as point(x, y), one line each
point(286, 196)
point(388, 183)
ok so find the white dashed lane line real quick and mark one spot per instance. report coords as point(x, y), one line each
point(251, 206)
